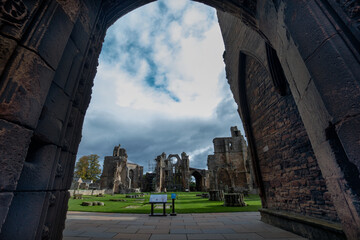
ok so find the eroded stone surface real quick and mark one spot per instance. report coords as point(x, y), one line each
point(7, 47)
point(72, 8)
point(13, 139)
point(27, 83)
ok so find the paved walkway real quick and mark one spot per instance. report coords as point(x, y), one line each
point(105, 226)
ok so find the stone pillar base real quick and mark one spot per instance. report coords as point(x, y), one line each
point(308, 227)
point(234, 200)
point(216, 195)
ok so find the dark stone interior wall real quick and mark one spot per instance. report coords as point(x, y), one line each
point(49, 62)
point(291, 176)
point(318, 51)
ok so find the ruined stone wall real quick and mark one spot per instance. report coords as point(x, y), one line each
point(172, 172)
point(160, 173)
point(118, 174)
point(135, 175)
point(176, 176)
point(229, 166)
point(114, 173)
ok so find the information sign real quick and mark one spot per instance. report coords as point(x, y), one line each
point(173, 196)
point(158, 199)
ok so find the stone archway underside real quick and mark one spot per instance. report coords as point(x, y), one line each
point(49, 54)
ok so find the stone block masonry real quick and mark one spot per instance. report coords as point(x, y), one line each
point(230, 166)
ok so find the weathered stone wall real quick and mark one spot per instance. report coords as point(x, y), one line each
point(114, 173)
point(172, 174)
point(135, 175)
point(291, 176)
point(229, 167)
point(118, 174)
point(46, 69)
point(283, 58)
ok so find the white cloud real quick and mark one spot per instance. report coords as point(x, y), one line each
point(175, 5)
point(194, 17)
point(197, 152)
point(189, 66)
point(175, 32)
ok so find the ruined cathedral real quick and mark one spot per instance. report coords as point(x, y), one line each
point(230, 165)
point(119, 175)
point(228, 168)
point(174, 173)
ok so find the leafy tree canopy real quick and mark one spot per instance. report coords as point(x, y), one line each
point(88, 167)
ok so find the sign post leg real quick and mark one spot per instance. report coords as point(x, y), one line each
point(152, 210)
point(173, 208)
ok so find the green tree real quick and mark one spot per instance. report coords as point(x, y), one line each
point(88, 167)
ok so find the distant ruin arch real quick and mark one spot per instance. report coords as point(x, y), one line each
point(178, 160)
point(47, 77)
point(198, 180)
point(200, 177)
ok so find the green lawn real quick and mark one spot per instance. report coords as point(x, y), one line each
point(186, 202)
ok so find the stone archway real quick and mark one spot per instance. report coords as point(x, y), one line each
point(49, 53)
point(178, 160)
point(200, 178)
point(198, 181)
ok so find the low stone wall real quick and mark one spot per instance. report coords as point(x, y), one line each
point(89, 192)
point(309, 227)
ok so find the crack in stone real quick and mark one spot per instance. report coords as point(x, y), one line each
point(321, 44)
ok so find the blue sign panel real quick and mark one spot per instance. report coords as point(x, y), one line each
point(173, 196)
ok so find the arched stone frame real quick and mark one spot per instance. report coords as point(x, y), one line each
point(175, 156)
point(317, 43)
point(200, 178)
point(180, 171)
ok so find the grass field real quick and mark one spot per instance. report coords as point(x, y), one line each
point(186, 202)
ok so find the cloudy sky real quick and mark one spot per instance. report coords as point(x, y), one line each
point(161, 86)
